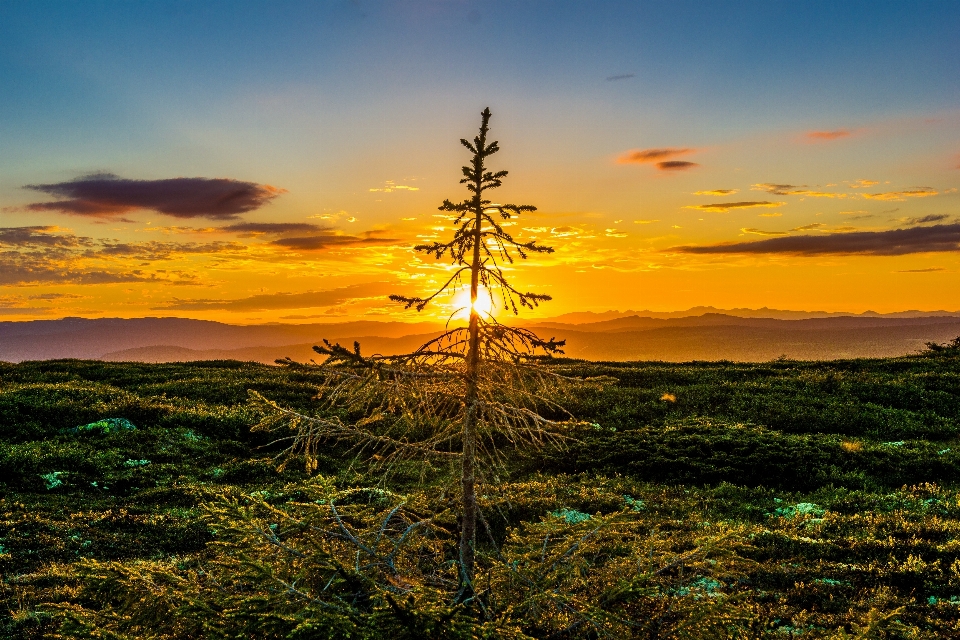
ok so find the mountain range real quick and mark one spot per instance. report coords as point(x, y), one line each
point(701, 333)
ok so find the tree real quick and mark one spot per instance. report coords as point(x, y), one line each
point(463, 395)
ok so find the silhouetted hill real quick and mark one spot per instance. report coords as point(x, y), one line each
point(710, 336)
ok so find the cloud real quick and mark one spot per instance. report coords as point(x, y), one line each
point(247, 229)
point(645, 221)
point(900, 196)
point(271, 301)
point(769, 215)
point(927, 270)
point(40, 237)
point(725, 206)
point(936, 217)
point(621, 76)
point(861, 184)
point(896, 242)
point(760, 232)
point(642, 156)
point(390, 186)
point(27, 268)
point(55, 296)
point(331, 240)
point(108, 196)
point(676, 165)
point(162, 250)
point(809, 227)
point(828, 135)
point(716, 192)
point(794, 190)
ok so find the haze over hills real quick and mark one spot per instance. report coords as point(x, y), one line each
point(701, 333)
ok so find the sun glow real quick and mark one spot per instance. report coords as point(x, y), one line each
point(460, 304)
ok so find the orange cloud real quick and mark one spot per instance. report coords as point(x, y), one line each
point(724, 206)
point(828, 135)
point(716, 192)
point(644, 156)
point(793, 190)
point(760, 232)
point(900, 196)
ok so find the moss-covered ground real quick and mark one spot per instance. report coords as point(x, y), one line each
point(839, 480)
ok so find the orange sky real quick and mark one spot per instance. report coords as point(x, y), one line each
point(275, 197)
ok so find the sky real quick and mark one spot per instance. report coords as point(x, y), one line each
point(253, 162)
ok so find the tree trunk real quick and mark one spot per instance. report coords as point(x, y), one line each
point(468, 533)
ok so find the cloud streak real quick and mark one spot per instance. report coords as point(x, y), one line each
point(331, 240)
point(676, 165)
point(649, 156)
point(726, 206)
point(108, 196)
point(896, 242)
point(794, 190)
point(821, 136)
point(271, 228)
point(271, 301)
point(900, 196)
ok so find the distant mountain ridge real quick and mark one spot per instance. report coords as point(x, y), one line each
point(701, 333)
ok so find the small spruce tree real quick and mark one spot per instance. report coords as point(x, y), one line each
point(464, 395)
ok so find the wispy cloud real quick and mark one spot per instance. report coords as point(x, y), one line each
point(716, 192)
point(621, 76)
point(935, 217)
point(725, 206)
point(265, 302)
point(676, 165)
point(900, 196)
point(249, 229)
point(862, 184)
point(390, 186)
point(40, 236)
point(895, 242)
point(331, 240)
point(761, 232)
point(828, 135)
point(649, 156)
point(794, 190)
point(108, 196)
point(927, 270)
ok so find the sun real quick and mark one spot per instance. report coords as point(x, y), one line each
point(460, 304)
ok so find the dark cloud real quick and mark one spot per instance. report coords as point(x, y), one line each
point(896, 242)
point(54, 296)
point(622, 76)
point(676, 165)
point(724, 206)
point(330, 240)
point(161, 250)
point(109, 196)
point(777, 189)
point(287, 300)
point(936, 217)
point(927, 270)
point(30, 268)
point(40, 237)
point(272, 228)
point(641, 156)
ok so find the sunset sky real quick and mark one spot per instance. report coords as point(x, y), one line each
point(277, 161)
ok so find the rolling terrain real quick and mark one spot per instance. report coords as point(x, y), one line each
point(703, 335)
